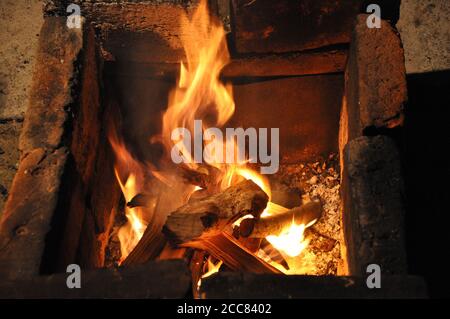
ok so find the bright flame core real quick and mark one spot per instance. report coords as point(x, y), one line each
point(291, 240)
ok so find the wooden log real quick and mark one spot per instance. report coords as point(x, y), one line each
point(271, 253)
point(274, 225)
point(205, 176)
point(252, 244)
point(153, 241)
point(238, 258)
point(210, 216)
point(170, 252)
point(150, 245)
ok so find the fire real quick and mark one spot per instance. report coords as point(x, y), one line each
point(257, 178)
point(211, 268)
point(291, 240)
point(130, 234)
point(199, 94)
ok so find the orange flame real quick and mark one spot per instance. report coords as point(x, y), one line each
point(199, 93)
point(133, 172)
point(211, 269)
point(130, 234)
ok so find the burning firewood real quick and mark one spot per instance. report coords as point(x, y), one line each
point(170, 252)
point(209, 216)
point(205, 176)
point(149, 247)
point(268, 253)
point(274, 225)
point(153, 240)
point(227, 249)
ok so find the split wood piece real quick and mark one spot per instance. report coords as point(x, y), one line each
point(252, 244)
point(226, 248)
point(274, 225)
point(276, 209)
point(153, 240)
point(204, 176)
point(210, 216)
point(170, 252)
point(150, 245)
point(261, 247)
point(196, 267)
point(271, 253)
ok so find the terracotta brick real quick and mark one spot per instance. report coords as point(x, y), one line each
point(59, 147)
point(296, 105)
point(51, 96)
point(135, 30)
point(154, 280)
point(375, 79)
point(35, 194)
point(29, 211)
point(281, 26)
point(373, 206)
point(225, 285)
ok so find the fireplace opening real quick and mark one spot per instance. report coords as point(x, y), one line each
point(306, 109)
point(128, 190)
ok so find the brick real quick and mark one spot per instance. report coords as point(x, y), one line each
point(373, 206)
point(135, 30)
point(9, 157)
point(375, 79)
point(296, 105)
point(425, 31)
point(283, 26)
point(225, 285)
point(155, 280)
point(46, 207)
point(51, 96)
point(28, 212)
